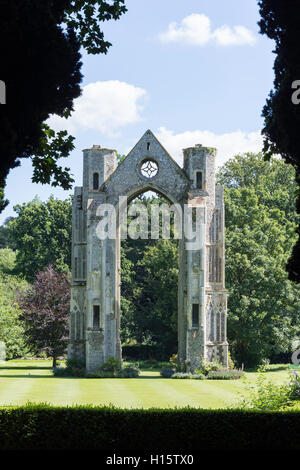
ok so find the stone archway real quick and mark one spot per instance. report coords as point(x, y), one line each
point(95, 299)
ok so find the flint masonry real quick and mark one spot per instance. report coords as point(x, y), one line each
point(96, 270)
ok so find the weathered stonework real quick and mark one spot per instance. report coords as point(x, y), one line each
point(95, 293)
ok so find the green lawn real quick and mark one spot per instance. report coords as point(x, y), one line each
point(23, 381)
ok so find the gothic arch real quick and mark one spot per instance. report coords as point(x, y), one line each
point(148, 166)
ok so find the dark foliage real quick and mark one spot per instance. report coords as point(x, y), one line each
point(46, 308)
point(107, 429)
point(281, 22)
point(141, 352)
point(149, 292)
point(167, 372)
point(40, 65)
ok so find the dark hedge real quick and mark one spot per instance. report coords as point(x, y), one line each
point(110, 429)
point(142, 352)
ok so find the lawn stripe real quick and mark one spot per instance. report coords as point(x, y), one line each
point(16, 391)
point(65, 391)
point(107, 391)
point(148, 392)
point(168, 394)
point(17, 386)
point(216, 390)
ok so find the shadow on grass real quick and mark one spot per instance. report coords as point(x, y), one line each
point(275, 369)
point(37, 376)
point(272, 369)
point(25, 367)
point(26, 376)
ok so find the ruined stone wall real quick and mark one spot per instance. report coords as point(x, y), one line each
point(95, 301)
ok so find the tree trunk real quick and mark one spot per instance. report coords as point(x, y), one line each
point(54, 362)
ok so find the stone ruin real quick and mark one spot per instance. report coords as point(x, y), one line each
point(96, 270)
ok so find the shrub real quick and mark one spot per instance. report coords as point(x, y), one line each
point(181, 375)
point(60, 371)
point(230, 362)
point(207, 366)
point(198, 376)
point(224, 374)
point(264, 365)
point(127, 372)
point(294, 386)
point(130, 372)
point(167, 372)
point(111, 365)
point(102, 374)
point(110, 369)
point(74, 368)
point(180, 365)
point(188, 375)
point(266, 396)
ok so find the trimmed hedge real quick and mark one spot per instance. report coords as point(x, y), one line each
point(225, 374)
point(106, 429)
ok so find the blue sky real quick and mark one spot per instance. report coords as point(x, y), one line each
point(193, 71)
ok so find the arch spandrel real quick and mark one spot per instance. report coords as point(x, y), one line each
point(127, 180)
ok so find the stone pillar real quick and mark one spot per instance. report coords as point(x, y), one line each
point(94, 294)
point(88, 308)
point(195, 318)
point(76, 348)
point(99, 164)
point(182, 300)
point(205, 280)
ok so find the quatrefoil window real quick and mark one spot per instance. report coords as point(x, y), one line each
point(149, 169)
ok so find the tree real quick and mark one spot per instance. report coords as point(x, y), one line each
point(39, 48)
point(261, 217)
point(280, 21)
point(45, 307)
point(42, 234)
point(149, 289)
point(157, 303)
point(5, 238)
point(11, 325)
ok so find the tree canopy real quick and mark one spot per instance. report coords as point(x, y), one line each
point(263, 304)
point(41, 233)
point(11, 325)
point(280, 21)
point(149, 289)
point(40, 64)
point(261, 217)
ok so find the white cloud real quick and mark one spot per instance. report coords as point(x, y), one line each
point(196, 29)
point(104, 106)
point(227, 145)
point(237, 36)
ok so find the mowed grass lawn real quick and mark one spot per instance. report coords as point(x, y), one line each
point(23, 381)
